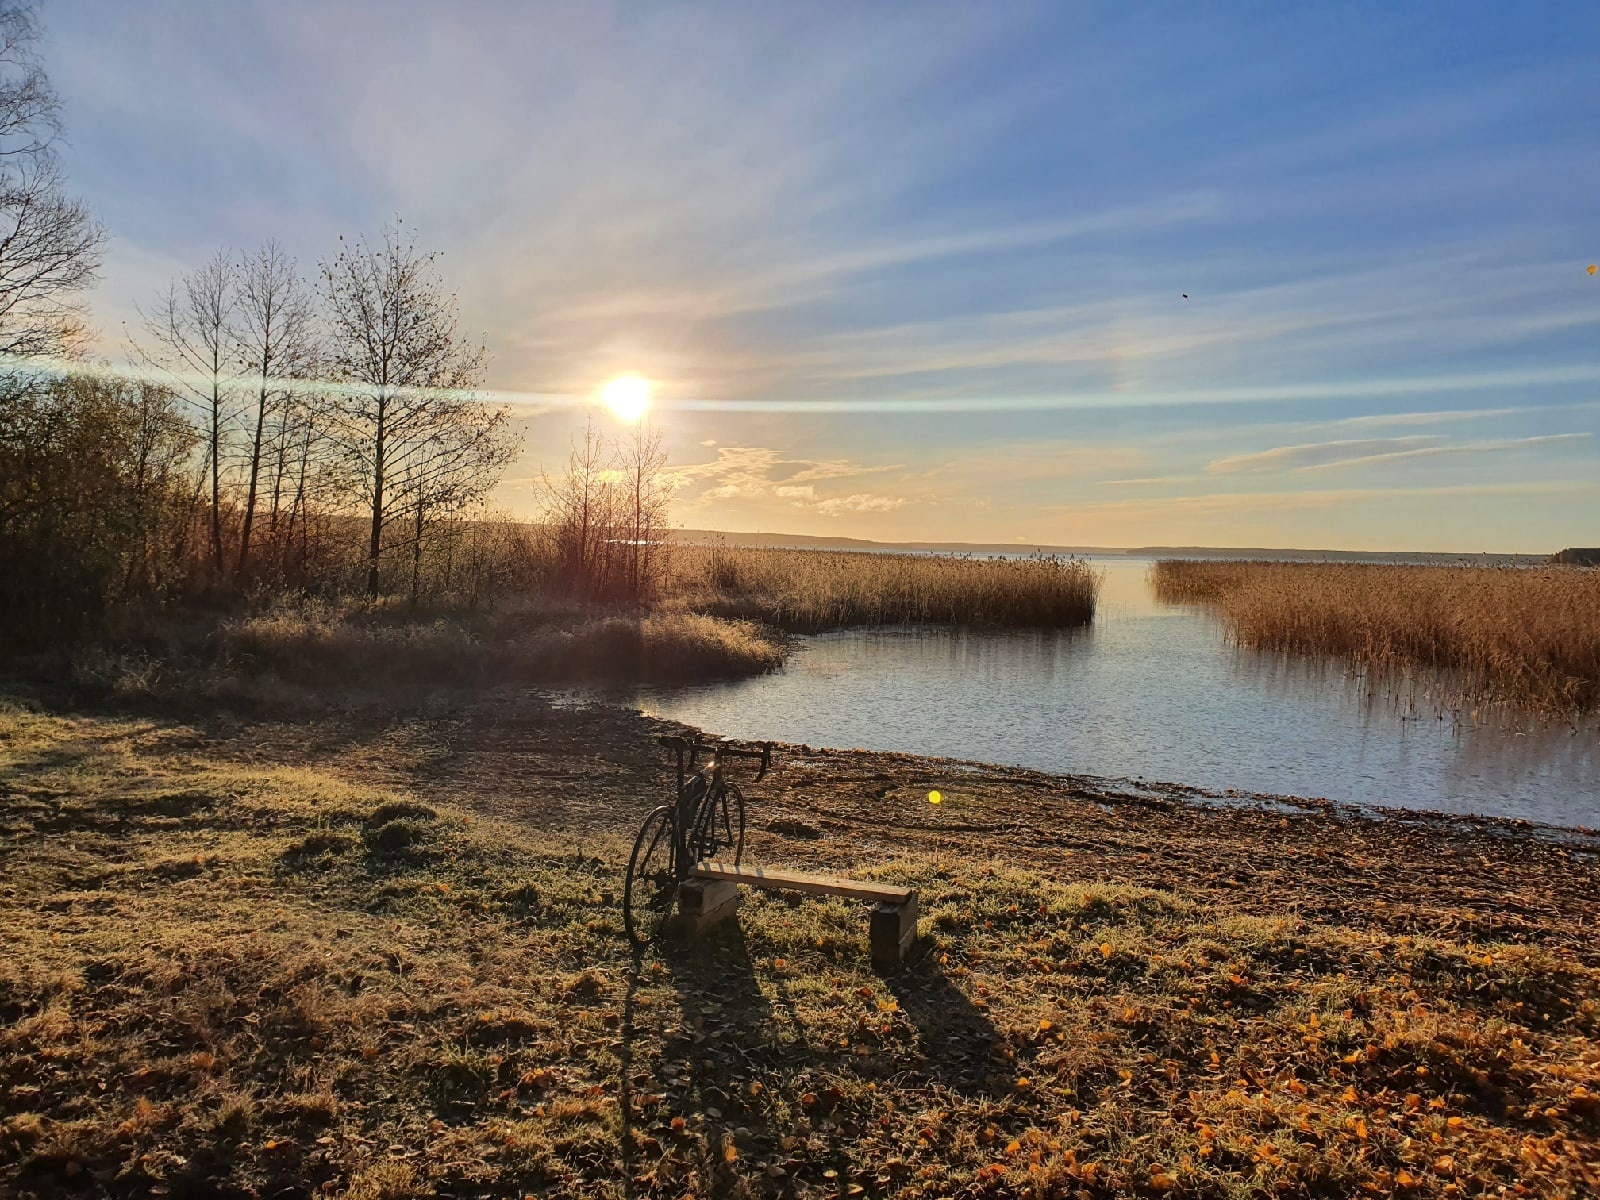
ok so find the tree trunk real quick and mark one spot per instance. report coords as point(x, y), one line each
point(216, 481)
point(255, 471)
point(297, 510)
point(416, 556)
point(376, 544)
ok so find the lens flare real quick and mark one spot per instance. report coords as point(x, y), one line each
point(628, 396)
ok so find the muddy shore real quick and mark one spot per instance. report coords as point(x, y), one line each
point(592, 769)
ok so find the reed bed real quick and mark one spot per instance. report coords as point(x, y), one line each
point(328, 645)
point(1526, 636)
point(809, 590)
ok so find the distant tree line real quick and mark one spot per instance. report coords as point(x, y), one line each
point(281, 432)
point(323, 409)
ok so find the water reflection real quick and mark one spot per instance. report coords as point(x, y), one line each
point(1153, 691)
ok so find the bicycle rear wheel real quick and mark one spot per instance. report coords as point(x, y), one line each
point(651, 886)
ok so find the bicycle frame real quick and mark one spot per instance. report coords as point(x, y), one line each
point(704, 796)
point(687, 808)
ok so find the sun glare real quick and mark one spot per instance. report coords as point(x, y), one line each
point(628, 396)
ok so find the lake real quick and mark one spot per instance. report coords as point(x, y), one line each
point(1157, 692)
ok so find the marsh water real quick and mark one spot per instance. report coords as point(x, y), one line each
point(1157, 692)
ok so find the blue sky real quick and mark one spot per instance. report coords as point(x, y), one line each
point(919, 271)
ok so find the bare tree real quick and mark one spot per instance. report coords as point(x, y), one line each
point(191, 338)
point(580, 513)
point(606, 518)
point(49, 244)
point(275, 337)
point(450, 469)
point(642, 462)
point(393, 344)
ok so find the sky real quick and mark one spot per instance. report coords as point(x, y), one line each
point(1067, 274)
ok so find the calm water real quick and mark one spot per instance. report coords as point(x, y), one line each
point(1152, 691)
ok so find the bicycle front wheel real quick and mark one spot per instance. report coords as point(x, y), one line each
point(733, 820)
point(651, 887)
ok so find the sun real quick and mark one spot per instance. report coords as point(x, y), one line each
point(628, 396)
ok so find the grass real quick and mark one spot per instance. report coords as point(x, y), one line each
point(225, 975)
point(812, 590)
point(1527, 636)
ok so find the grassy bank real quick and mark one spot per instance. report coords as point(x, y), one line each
point(530, 643)
point(386, 960)
point(721, 614)
point(810, 590)
point(1525, 636)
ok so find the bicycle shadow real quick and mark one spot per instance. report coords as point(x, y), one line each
point(697, 1081)
point(960, 1046)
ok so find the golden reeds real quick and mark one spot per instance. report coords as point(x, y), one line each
point(809, 590)
point(334, 645)
point(1529, 636)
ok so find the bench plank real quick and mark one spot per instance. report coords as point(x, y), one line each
point(794, 881)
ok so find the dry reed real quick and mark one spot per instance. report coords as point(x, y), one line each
point(1529, 636)
point(810, 590)
point(354, 647)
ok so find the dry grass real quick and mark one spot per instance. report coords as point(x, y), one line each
point(234, 979)
point(810, 590)
point(1523, 635)
point(533, 644)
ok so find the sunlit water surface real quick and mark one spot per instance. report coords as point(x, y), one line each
point(1152, 691)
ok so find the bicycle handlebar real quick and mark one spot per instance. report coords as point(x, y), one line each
point(679, 743)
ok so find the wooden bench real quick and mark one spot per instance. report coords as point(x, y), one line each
point(711, 894)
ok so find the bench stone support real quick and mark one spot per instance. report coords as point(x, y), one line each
point(704, 903)
point(893, 932)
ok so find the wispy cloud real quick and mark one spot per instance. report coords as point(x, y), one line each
point(758, 475)
point(1319, 454)
point(1217, 503)
point(1322, 456)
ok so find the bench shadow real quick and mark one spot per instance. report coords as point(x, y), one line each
point(960, 1045)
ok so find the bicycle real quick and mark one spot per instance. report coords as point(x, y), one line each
point(705, 820)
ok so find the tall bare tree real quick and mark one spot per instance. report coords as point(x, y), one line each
point(393, 344)
point(49, 244)
point(450, 467)
point(642, 463)
point(191, 339)
point(580, 515)
point(275, 334)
